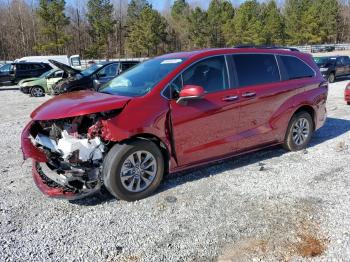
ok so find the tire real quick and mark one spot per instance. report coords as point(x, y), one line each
point(37, 91)
point(331, 78)
point(297, 140)
point(118, 161)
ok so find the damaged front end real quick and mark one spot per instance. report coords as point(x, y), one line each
point(67, 154)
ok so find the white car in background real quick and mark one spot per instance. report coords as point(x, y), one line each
point(73, 61)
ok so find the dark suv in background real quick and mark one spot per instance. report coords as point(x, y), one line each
point(332, 67)
point(13, 73)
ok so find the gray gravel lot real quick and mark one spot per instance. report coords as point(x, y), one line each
point(297, 208)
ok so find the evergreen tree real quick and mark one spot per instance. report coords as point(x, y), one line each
point(273, 24)
point(146, 33)
point(293, 12)
point(101, 22)
point(180, 11)
point(135, 8)
point(52, 22)
point(219, 12)
point(310, 25)
point(329, 27)
point(246, 27)
point(198, 28)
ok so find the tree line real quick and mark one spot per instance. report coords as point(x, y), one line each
point(122, 28)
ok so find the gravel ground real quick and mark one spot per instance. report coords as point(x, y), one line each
point(266, 206)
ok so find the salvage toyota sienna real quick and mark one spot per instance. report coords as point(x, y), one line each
point(172, 113)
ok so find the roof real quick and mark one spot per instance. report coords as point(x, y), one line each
point(29, 63)
point(218, 51)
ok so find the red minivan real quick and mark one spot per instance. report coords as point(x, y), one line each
point(171, 113)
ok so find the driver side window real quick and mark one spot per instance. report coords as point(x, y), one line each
point(210, 73)
point(108, 71)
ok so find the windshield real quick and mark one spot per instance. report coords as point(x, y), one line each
point(91, 69)
point(47, 73)
point(324, 60)
point(140, 79)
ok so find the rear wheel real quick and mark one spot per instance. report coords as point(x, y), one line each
point(133, 170)
point(299, 132)
point(331, 78)
point(37, 91)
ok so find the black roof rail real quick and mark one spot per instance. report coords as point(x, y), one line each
point(267, 47)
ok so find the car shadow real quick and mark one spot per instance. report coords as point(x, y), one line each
point(332, 128)
point(8, 88)
point(341, 78)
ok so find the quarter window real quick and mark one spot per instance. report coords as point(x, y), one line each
point(296, 68)
point(255, 69)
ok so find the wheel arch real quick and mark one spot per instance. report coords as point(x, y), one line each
point(161, 145)
point(309, 109)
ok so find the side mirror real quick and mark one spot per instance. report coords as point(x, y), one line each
point(12, 72)
point(190, 92)
point(96, 84)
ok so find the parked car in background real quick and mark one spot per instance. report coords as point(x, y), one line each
point(40, 86)
point(5, 77)
point(17, 71)
point(91, 78)
point(73, 61)
point(171, 113)
point(347, 94)
point(322, 48)
point(332, 67)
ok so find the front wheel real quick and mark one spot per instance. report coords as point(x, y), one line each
point(299, 132)
point(37, 91)
point(133, 170)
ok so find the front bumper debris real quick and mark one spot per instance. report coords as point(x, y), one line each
point(69, 167)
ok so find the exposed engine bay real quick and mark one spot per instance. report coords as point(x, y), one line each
point(59, 87)
point(75, 152)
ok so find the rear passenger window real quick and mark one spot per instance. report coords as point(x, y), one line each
point(255, 69)
point(21, 67)
point(296, 68)
point(35, 66)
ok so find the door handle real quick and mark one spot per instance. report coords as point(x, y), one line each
point(249, 94)
point(230, 98)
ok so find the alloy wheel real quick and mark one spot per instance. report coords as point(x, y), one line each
point(37, 92)
point(301, 131)
point(138, 171)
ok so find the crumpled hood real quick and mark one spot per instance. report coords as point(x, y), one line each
point(66, 68)
point(77, 104)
